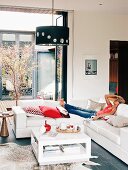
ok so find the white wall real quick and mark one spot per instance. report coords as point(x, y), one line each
point(92, 35)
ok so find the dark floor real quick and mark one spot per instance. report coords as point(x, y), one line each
point(106, 160)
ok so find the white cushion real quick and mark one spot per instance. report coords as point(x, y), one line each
point(122, 110)
point(64, 113)
point(93, 105)
point(62, 110)
point(118, 121)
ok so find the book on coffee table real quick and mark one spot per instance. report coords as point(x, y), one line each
point(71, 148)
point(63, 148)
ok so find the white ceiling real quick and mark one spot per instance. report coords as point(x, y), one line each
point(108, 6)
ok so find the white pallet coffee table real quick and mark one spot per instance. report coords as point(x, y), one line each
point(40, 141)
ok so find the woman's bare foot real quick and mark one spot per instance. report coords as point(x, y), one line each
point(62, 102)
point(95, 118)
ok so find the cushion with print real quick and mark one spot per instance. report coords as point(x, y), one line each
point(32, 111)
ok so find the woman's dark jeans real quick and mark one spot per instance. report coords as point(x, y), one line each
point(79, 111)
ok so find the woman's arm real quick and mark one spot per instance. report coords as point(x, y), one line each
point(110, 97)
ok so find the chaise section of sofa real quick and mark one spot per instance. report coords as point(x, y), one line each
point(23, 123)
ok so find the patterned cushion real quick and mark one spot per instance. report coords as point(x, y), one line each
point(118, 121)
point(63, 111)
point(93, 105)
point(32, 111)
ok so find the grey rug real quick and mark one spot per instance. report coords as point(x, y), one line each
point(16, 157)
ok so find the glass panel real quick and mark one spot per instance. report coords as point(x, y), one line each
point(8, 39)
point(46, 74)
point(25, 39)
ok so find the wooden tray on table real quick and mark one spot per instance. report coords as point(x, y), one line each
point(68, 130)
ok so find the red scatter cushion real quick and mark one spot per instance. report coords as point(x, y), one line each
point(50, 112)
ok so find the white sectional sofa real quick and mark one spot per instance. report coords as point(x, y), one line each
point(113, 139)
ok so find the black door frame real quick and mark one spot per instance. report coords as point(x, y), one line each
point(121, 47)
point(64, 63)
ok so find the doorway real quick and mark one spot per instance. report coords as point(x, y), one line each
point(118, 77)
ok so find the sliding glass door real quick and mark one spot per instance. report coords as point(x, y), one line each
point(46, 74)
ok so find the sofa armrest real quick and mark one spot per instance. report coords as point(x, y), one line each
point(33, 102)
point(124, 138)
point(19, 117)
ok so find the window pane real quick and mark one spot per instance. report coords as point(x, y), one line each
point(8, 39)
point(25, 39)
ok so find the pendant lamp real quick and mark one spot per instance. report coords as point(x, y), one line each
point(52, 35)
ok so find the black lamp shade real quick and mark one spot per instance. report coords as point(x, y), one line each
point(52, 35)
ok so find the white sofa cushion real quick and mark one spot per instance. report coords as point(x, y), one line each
point(39, 121)
point(103, 128)
point(122, 110)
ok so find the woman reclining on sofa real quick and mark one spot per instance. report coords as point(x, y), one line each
point(112, 102)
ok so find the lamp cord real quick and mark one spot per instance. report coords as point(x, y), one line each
point(52, 10)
